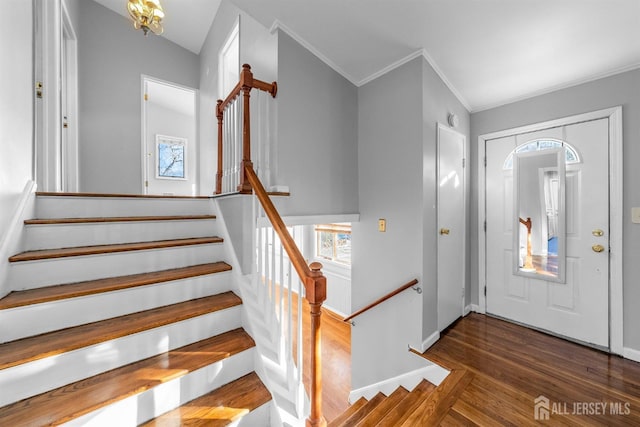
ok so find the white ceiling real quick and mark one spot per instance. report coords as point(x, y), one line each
point(489, 52)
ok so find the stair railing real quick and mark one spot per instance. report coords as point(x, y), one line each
point(234, 133)
point(412, 284)
point(236, 171)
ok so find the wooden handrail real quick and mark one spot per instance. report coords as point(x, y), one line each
point(244, 86)
point(315, 285)
point(382, 299)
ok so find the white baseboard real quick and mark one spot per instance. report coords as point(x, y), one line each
point(431, 340)
point(467, 310)
point(433, 373)
point(476, 309)
point(631, 354)
point(11, 242)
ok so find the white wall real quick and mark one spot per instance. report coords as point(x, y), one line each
point(622, 89)
point(16, 112)
point(169, 122)
point(111, 59)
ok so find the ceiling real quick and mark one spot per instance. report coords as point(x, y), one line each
point(489, 52)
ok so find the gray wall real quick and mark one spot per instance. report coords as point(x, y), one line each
point(390, 146)
point(317, 134)
point(16, 112)
point(112, 58)
point(438, 103)
point(622, 89)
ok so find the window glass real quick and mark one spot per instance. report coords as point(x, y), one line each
point(333, 242)
point(571, 155)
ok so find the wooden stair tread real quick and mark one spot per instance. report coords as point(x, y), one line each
point(406, 406)
point(436, 406)
point(364, 410)
point(350, 411)
point(25, 350)
point(372, 418)
point(72, 290)
point(106, 249)
point(74, 400)
point(51, 221)
point(118, 195)
point(219, 407)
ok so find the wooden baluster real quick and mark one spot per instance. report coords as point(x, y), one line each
point(220, 115)
point(246, 78)
point(316, 293)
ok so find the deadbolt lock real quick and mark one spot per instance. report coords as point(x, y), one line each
point(597, 232)
point(597, 248)
point(444, 231)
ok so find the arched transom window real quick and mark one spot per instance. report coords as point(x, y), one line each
point(571, 154)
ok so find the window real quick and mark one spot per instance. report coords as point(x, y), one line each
point(333, 242)
point(571, 155)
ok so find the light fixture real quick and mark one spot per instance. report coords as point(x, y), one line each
point(147, 15)
point(453, 120)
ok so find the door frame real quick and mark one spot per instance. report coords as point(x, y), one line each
point(614, 114)
point(442, 127)
point(144, 78)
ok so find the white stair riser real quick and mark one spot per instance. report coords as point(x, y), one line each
point(142, 407)
point(21, 322)
point(77, 207)
point(107, 233)
point(29, 379)
point(37, 274)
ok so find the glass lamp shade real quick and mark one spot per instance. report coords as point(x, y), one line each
point(147, 15)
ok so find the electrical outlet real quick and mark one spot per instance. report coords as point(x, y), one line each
point(382, 225)
point(635, 215)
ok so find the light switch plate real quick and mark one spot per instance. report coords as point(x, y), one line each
point(382, 225)
point(635, 215)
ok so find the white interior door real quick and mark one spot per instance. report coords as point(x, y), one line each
point(451, 230)
point(579, 308)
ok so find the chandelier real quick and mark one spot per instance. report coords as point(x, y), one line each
point(147, 15)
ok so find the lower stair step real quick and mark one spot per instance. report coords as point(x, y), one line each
point(230, 403)
point(372, 418)
point(98, 392)
point(397, 415)
point(350, 411)
point(366, 409)
point(53, 343)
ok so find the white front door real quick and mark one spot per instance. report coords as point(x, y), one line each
point(579, 308)
point(451, 230)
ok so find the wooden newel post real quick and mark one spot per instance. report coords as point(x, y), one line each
point(219, 115)
point(316, 294)
point(246, 80)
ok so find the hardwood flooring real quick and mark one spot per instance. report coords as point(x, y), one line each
point(512, 366)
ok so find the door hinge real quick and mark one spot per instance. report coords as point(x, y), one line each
point(146, 96)
point(39, 89)
point(146, 183)
point(463, 162)
point(485, 226)
point(485, 162)
point(485, 290)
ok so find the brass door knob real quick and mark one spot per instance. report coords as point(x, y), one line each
point(444, 231)
point(597, 248)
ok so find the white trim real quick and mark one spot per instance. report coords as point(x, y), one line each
point(631, 354)
point(391, 67)
point(70, 161)
point(430, 340)
point(11, 242)
point(277, 25)
point(445, 80)
point(476, 308)
point(311, 219)
point(468, 309)
point(555, 88)
point(432, 373)
point(616, 285)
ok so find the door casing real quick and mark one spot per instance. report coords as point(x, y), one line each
point(614, 115)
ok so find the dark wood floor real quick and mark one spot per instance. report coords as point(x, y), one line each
point(512, 366)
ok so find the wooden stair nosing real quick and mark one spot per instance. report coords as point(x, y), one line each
point(107, 249)
point(80, 220)
point(221, 406)
point(364, 410)
point(84, 396)
point(90, 287)
point(396, 415)
point(350, 411)
point(49, 344)
point(117, 195)
point(382, 409)
point(436, 406)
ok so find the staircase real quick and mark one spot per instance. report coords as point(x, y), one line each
point(124, 312)
point(425, 405)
